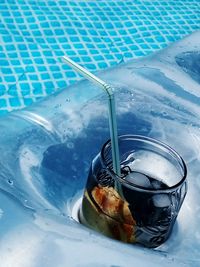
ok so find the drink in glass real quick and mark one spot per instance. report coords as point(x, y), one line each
point(141, 205)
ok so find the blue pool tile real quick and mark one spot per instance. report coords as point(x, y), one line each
point(25, 86)
point(5, 31)
point(86, 59)
point(109, 25)
point(150, 40)
point(41, 17)
point(4, 63)
point(3, 103)
point(59, 32)
point(101, 46)
point(45, 24)
point(49, 84)
point(128, 55)
point(71, 31)
point(134, 47)
point(94, 52)
point(48, 32)
point(39, 61)
point(74, 39)
point(27, 13)
point(49, 90)
point(2, 89)
point(19, 20)
point(109, 57)
point(147, 34)
point(37, 85)
point(35, 54)
point(6, 71)
point(98, 25)
point(78, 46)
point(37, 91)
point(8, 20)
point(59, 53)
point(7, 39)
point(10, 47)
point(71, 53)
point(33, 26)
point(28, 101)
point(57, 75)
point(62, 40)
point(140, 53)
point(82, 52)
point(37, 33)
point(160, 39)
point(10, 79)
point(41, 68)
point(50, 60)
point(90, 66)
point(34, 77)
point(2, 55)
point(30, 69)
point(5, 13)
point(12, 91)
point(61, 84)
point(15, 102)
point(25, 93)
point(70, 74)
point(154, 46)
point(98, 58)
point(19, 70)
point(24, 54)
point(102, 65)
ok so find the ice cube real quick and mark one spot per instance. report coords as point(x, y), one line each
point(161, 200)
point(158, 184)
point(156, 165)
point(138, 179)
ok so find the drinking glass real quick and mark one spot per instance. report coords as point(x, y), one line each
point(141, 205)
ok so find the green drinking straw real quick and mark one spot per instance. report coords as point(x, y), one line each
point(111, 106)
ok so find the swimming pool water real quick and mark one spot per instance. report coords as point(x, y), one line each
point(97, 34)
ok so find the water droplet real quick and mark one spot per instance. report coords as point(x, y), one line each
point(70, 145)
point(10, 182)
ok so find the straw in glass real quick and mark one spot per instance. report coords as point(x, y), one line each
point(111, 107)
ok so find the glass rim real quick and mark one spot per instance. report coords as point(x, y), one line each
point(153, 142)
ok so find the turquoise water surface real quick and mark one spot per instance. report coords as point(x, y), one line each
point(97, 34)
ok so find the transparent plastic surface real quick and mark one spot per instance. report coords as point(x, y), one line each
point(46, 152)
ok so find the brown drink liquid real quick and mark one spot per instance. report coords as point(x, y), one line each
point(139, 217)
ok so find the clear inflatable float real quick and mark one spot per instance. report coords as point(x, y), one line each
point(46, 151)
